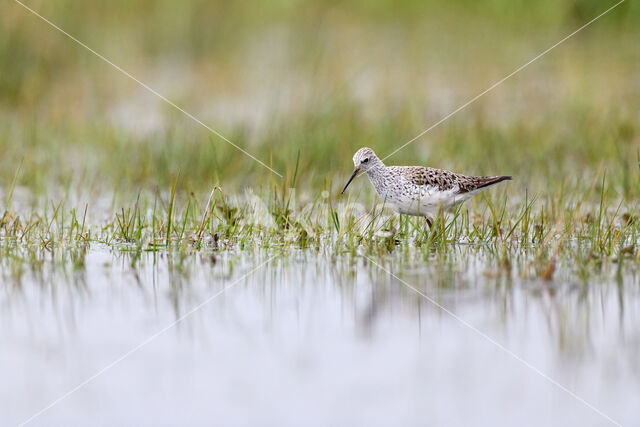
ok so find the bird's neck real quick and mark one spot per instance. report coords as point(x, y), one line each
point(377, 175)
point(378, 169)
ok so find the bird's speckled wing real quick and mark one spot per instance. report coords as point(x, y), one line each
point(445, 180)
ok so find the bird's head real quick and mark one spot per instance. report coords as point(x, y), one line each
point(363, 161)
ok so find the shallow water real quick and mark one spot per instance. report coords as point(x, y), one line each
point(305, 338)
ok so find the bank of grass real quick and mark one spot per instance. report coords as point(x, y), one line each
point(531, 232)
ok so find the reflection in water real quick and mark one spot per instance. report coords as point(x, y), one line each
point(313, 338)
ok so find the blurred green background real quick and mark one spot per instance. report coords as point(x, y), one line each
point(322, 78)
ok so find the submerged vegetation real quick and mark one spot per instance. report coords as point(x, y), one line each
point(584, 231)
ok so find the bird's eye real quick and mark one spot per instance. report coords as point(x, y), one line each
point(365, 160)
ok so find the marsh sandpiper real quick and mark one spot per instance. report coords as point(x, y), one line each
point(418, 190)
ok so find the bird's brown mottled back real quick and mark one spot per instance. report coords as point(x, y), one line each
point(418, 190)
point(446, 180)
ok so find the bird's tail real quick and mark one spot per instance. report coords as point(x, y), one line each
point(491, 180)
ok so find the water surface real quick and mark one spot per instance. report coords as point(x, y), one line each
point(313, 339)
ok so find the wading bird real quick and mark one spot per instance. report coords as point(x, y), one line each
point(418, 190)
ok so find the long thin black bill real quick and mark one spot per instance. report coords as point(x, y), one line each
point(353, 175)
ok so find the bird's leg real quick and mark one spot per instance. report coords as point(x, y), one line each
point(433, 231)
